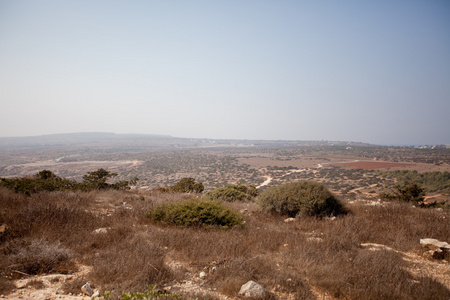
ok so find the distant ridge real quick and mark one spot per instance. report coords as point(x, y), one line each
point(139, 142)
point(74, 138)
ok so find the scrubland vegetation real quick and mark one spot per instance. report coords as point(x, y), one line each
point(47, 181)
point(128, 240)
point(431, 181)
point(170, 228)
point(230, 193)
point(301, 198)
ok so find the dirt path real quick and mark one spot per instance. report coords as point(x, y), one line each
point(269, 179)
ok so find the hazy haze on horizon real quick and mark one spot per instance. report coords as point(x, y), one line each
point(364, 71)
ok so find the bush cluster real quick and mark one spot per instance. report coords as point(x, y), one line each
point(231, 193)
point(304, 198)
point(432, 181)
point(407, 191)
point(196, 213)
point(187, 185)
point(46, 180)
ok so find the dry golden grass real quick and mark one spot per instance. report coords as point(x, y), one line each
point(287, 259)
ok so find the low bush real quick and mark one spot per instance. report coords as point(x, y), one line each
point(149, 294)
point(46, 180)
point(187, 185)
point(196, 213)
point(408, 191)
point(304, 198)
point(240, 192)
point(36, 257)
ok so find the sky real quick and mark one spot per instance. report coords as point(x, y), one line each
point(364, 71)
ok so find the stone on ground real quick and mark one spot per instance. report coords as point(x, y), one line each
point(87, 290)
point(252, 289)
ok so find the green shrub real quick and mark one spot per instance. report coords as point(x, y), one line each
point(150, 294)
point(97, 180)
point(196, 213)
point(304, 198)
point(231, 193)
point(438, 182)
point(46, 180)
point(187, 185)
point(408, 191)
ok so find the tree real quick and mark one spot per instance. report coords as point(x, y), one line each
point(97, 180)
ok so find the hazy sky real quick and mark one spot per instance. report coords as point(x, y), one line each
point(368, 71)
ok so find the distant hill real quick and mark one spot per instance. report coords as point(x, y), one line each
point(143, 141)
point(75, 138)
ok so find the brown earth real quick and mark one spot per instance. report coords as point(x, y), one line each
point(371, 165)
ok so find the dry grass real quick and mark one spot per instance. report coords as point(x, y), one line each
point(36, 257)
point(36, 284)
point(285, 258)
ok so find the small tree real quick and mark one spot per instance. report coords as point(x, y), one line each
point(97, 180)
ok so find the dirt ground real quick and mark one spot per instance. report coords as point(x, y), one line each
point(391, 166)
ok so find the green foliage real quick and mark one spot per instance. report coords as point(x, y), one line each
point(46, 180)
point(408, 191)
point(240, 192)
point(196, 213)
point(187, 185)
point(432, 181)
point(150, 294)
point(97, 180)
point(304, 198)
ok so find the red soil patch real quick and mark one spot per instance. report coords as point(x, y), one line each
point(369, 165)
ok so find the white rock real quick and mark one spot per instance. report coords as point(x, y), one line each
point(202, 275)
point(375, 247)
point(252, 289)
point(87, 290)
point(101, 230)
point(434, 244)
point(315, 239)
point(437, 249)
point(288, 220)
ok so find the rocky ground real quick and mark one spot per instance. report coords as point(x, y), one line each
point(51, 285)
